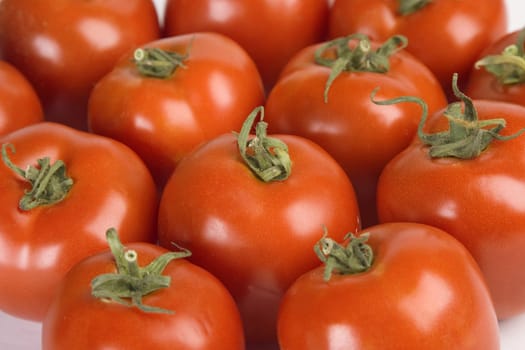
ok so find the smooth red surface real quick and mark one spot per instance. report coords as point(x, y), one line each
point(205, 316)
point(478, 201)
point(423, 291)
point(446, 35)
point(19, 103)
point(112, 188)
point(256, 237)
point(164, 119)
point(271, 31)
point(360, 135)
point(64, 47)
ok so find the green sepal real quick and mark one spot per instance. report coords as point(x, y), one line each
point(354, 257)
point(341, 57)
point(466, 137)
point(50, 183)
point(131, 282)
point(267, 157)
point(508, 66)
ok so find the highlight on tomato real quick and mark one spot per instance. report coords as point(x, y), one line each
point(61, 188)
point(249, 207)
point(64, 47)
point(141, 296)
point(393, 286)
point(324, 95)
point(172, 94)
point(270, 31)
point(447, 36)
point(19, 104)
point(499, 74)
point(464, 174)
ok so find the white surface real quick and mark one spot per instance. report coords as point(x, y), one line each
point(16, 334)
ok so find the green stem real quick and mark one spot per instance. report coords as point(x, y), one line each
point(338, 55)
point(357, 256)
point(50, 183)
point(131, 280)
point(509, 66)
point(267, 157)
point(407, 7)
point(158, 63)
point(466, 137)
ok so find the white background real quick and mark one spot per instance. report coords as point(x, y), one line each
point(16, 334)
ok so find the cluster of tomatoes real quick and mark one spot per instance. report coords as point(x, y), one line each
point(262, 174)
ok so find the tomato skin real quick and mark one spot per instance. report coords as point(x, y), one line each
point(478, 201)
point(255, 237)
point(63, 47)
point(483, 85)
point(446, 35)
point(271, 31)
point(205, 314)
point(112, 188)
point(164, 119)
point(19, 103)
point(361, 136)
point(423, 291)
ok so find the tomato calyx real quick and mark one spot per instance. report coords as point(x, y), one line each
point(341, 57)
point(132, 281)
point(356, 257)
point(466, 137)
point(407, 7)
point(509, 66)
point(50, 183)
point(157, 63)
point(267, 157)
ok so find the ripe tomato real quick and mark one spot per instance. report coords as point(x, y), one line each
point(499, 73)
point(475, 197)
point(446, 35)
point(55, 211)
point(186, 308)
point(341, 117)
point(19, 103)
point(63, 47)
point(423, 290)
point(214, 85)
point(271, 31)
point(255, 236)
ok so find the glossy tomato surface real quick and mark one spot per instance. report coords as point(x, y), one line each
point(63, 47)
point(423, 291)
point(446, 35)
point(479, 201)
point(271, 31)
point(163, 119)
point(19, 103)
point(111, 188)
point(484, 85)
point(204, 315)
point(360, 135)
point(256, 237)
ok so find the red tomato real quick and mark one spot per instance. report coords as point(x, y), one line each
point(361, 136)
point(63, 47)
point(446, 35)
point(271, 31)
point(423, 290)
point(191, 310)
point(87, 184)
point(499, 73)
point(19, 103)
point(255, 236)
point(164, 118)
point(479, 199)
